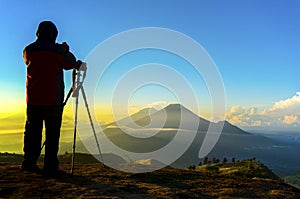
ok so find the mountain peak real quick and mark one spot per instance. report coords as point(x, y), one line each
point(173, 106)
point(178, 107)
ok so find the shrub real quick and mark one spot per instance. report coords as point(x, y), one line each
point(213, 169)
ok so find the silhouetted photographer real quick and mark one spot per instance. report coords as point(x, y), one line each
point(45, 62)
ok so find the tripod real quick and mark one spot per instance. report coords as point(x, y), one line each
point(78, 86)
point(78, 78)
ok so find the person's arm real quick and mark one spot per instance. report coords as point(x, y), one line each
point(68, 60)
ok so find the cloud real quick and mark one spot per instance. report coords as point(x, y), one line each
point(246, 117)
point(285, 107)
point(136, 108)
point(159, 105)
point(235, 111)
point(290, 119)
point(284, 113)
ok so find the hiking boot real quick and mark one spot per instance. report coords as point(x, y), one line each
point(31, 168)
point(54, 172)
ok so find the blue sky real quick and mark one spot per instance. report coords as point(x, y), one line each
point(255, 45)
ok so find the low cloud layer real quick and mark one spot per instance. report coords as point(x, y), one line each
point(284, 113)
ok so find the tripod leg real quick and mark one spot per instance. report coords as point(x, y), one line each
point(74, 136)
point(91, 121)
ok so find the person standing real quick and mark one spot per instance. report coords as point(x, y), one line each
point(45, 61)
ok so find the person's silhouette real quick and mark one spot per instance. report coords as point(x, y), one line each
point(45, 62)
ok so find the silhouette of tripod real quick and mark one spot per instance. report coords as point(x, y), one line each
point(78, 79)
point(76, 88)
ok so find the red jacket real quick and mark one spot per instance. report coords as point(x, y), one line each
point(45, 63)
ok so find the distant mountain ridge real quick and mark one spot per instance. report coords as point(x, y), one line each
point(173, 114)
point(230, 128)
point(149, 130)
point(161, 127)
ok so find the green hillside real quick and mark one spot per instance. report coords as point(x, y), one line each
point(244, 169)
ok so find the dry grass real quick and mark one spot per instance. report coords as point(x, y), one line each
point(98, 181)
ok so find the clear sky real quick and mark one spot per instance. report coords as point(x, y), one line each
point(254, 43)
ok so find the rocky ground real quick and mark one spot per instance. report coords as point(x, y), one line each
point(96, 181)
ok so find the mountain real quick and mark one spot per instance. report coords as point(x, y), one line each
point(231, 129)
point(150, 130)
point(142, 116)
point(152, 118)
point(174, 113)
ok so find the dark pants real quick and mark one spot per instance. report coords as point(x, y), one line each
point(36, 115)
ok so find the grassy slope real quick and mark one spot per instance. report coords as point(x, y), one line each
point(245, 169)
point(247, 178)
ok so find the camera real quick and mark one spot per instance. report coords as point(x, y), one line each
point(65, 46)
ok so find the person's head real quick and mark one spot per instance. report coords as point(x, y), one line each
point(47, 31)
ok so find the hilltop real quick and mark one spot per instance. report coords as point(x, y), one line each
point(245, 179)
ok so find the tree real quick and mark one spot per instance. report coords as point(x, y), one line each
point(215, 160)
point(225, 160)
point(205, 161)
point(233, 160)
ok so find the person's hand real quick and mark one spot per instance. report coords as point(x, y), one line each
point(80, 65)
